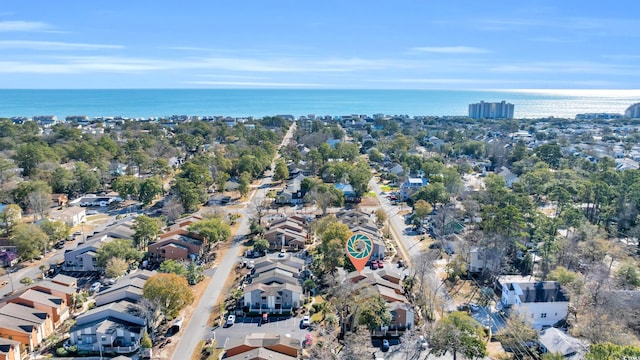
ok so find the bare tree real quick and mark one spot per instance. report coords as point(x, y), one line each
point(409, 345)
point(358, 345)
point(39, 202)
point(173, 209)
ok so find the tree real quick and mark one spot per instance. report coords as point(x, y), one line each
point(627, 276)
point(458, 333)
point(145, 341)
point(359, 176)
point(38, 201)
point(115, 267)
point(172, 208)
point(244, 182)
point(221, 180)
point(190, 194)
point(212, 230)
point(373, 313)
point(29, 239)
point(357, 345)
point(171, 266)
point(118, 248)
point(55, 230)
point(146, 230)
point(149, 189)
point(195, 274)
point(433, 193)
point(170, 291)
point(9, 217)
point(608, 351)
point(281, 171)
point(126, 186)
point(421, 209)
point(516, 334)
point(260, 244)
point(381, 217)
point(550, 153)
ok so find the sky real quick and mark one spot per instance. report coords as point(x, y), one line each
point(344, 44)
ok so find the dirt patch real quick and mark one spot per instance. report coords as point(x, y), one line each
point(463, 291)
point(369, 201)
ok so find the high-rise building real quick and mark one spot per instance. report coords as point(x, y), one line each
point(496, 110)
point(633, 111)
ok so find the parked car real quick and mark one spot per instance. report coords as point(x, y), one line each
point(306, 321)
point(385, 345)
point(374, 264)
point(423, 343)
point(380, 264)
point(282, 253)
point(400, 263)
point(231, 320)
point(95, 287)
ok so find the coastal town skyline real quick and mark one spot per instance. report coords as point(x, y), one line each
point(333, 45)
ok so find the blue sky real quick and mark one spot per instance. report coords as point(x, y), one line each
point(397, 44)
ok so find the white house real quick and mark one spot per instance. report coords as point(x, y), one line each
point(542, 303)
point(410, 186)
point(480, 259)
point(71, 216)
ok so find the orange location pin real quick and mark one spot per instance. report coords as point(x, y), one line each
point(359, 248)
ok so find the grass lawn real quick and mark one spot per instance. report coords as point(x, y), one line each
point(370, 193)
point(387, 188)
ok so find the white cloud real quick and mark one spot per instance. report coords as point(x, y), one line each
point(576, 67)
point(53, 45)
point(451, 50)
point(256, 84)
point(23, 26)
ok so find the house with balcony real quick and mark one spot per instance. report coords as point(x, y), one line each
point(275, 286)
point(49, 287)
point(10, 350)
point(542, 304)
point(24, 324)
point(177, 245)
point(55, 306)
point(110, 329)
point(83, 257)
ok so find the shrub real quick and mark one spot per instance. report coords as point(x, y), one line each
point(26, 281)
point(62, 352)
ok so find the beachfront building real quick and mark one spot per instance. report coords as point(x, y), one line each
point(633, 111)
point(491, 110)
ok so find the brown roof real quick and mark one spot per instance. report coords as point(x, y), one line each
point(257, 340)
point(260, 354)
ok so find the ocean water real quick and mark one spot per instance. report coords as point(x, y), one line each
point(144, 103)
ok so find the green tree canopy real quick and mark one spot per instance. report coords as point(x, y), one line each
point(55, 230)
point(149, 189)
point(212, 230)
point(171, 266)
point(281, 171)
point(29, 239)
point(373, 313)
point(118, 248)
point(146, 230)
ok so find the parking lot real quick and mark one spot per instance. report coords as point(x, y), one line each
point(247, 325)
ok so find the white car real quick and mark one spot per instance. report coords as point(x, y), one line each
point(423, 343)
point(231, 320)
point(95, 287)
point(306, 321)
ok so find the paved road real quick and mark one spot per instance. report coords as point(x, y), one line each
point(407, 244)
point(198, 329)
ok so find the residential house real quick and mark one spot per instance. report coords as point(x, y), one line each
point(55, 306)
point(58, 200)
point(281, 238)
point(25, 324)
point(55, 289)
point(348, 192)
point(361, 222)
point(83, 257)
point(555, 341)
point(542, 303)
point(65, 280)
point(275, 286)
point(260, 354)
point(277, 343)
point(177, 245)
point(10, 350)
point(129, 289)
point(482, 259)
point(292, 194)
point(8, 258)
point(508, 176)
point(113, 328)
point(410, 186)
point(386, 283)
point(71, 216)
